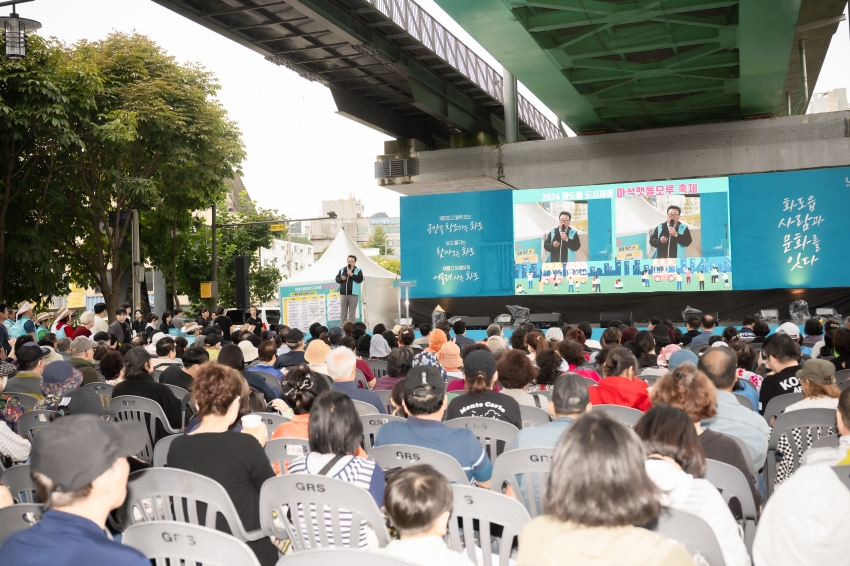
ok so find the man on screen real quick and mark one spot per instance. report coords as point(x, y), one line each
point(672, 237)
point(562, 243)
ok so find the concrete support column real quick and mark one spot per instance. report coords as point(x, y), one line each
point(510, 101)
point(804, 79)
point(159, 292)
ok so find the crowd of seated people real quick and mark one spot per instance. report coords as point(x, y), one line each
point(703, 394)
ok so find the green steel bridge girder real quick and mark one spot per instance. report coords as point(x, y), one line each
point(640, 63)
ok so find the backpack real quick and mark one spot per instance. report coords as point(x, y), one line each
point(17, 330)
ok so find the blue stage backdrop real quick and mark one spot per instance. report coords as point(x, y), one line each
point(789, 228)
point(458, 245)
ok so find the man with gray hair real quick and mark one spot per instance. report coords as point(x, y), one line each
point(495, 330)
point(342, 369)
point(82, 357)
point(86, 324)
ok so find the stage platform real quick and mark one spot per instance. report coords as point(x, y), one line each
point(732, 306)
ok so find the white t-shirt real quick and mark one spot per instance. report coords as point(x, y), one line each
point(426, 551)
point(100, 325)
point(698, 497)
point(814, 403)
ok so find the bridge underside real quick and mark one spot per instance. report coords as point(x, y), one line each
point(614, 65)
point(378, 73)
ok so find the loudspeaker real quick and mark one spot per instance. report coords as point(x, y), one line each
point(546, 320)
point(476, 322)
point(243, 295)
point(605, 318)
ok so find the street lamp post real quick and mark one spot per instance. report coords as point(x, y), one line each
point(15, 29)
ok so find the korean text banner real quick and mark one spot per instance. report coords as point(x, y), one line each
point(789, 228)
point(458, 245)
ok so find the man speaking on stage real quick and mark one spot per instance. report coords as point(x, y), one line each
point(670, 238)
point(349, 278)
point(562, 243)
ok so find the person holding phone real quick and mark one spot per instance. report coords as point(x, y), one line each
point(349, 278)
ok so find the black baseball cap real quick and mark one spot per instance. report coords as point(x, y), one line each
point(424, 381)
point(137, 356)
point(30, 352)
point(81, 401)
point(77, 451)
point(294, 337)
point(480, 360)
point(570, 392)
point(336, 332)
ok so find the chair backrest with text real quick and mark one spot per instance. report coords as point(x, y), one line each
point(523, 468)
point(391, 457)
point(170, 494)
point(495, 436)
point(281, 451)
point(372, 423)
point(186, 544)
point(285, 500)
point(146, 413)
point(272, 421)
point(497, 518)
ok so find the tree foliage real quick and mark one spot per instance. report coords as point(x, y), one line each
point(379, 240)
point(44, 99)
point(194, 265)
point(388, 263)
point(131, 129)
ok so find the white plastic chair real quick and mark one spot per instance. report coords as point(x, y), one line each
point(393, 456)
point(532, 416)
point(733, 485)
point(372, 423)
point(31, 423)
point(494, 435)
point(476, 509)
point(171, 494)
point(347, 556)
point(282, 450)
point(364, 408)
point(19, 482)
point(523, 468)
point(272, 421)
point(160, 451)
point(286, 500)
point(692, 532)
point(145, 413)
point(814, 420)
point(625, 415)
point(190, 545)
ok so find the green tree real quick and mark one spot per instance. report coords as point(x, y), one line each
point(388, 263)
point(379, 240)
point(43, 99)
point(194, 263)
point(158, 142)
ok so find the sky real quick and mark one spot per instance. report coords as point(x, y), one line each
point(300, 151)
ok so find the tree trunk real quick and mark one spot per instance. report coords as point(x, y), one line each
point(145, 300)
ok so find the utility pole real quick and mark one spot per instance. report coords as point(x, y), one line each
point(214, 261)
point(510, 104)
point(137, 268)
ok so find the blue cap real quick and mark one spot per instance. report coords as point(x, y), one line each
point(682, 357)
point(57, 372)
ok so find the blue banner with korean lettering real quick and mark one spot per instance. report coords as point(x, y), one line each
point(458, 245)
point(789, 228)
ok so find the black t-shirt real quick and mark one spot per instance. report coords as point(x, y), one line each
point(257, 324)
point(225, 323)
point(690, 335)
point(491, 405)
point(148, 388)
point(239, 464)
point(174, 375)
point(289, 359)
point(785, 381)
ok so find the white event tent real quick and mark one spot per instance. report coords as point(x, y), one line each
point(379, 298)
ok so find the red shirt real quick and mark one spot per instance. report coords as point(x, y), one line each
point(617, 390)
point(367, 371)
point(81, 331)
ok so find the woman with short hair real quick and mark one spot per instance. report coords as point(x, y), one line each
point(676, 464)
point(573, 355)
point(236, 461)
point(335, 433)
point(516, 373)
point(598, 495)
point(399, 363)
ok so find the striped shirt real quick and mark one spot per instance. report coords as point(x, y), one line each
point(358, 471)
